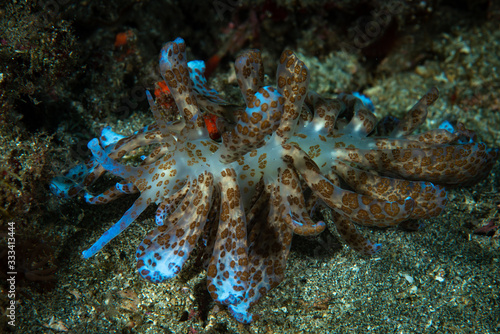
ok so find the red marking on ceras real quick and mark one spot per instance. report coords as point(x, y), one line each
point(211, 64)
point(211, 125)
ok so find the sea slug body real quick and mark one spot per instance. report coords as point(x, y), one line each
point(241, 199)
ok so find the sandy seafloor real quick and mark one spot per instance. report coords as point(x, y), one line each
point(439, 279)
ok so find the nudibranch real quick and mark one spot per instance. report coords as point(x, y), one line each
point(240, 199)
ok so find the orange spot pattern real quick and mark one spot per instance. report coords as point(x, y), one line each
point(241, 199)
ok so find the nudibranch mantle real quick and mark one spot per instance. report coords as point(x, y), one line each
point(241, 199)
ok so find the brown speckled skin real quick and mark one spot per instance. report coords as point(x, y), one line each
point(242, 199)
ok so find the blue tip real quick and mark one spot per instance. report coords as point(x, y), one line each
point(366, 101)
